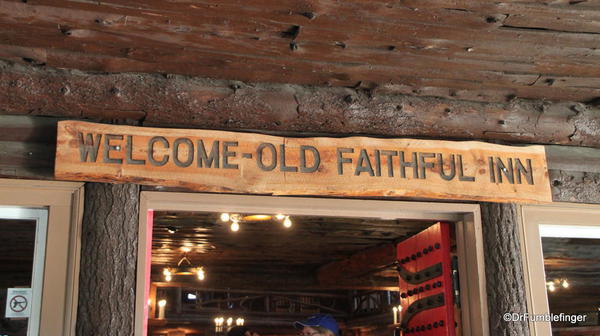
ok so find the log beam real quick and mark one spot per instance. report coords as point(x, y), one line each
point(575, 186)
point(283, 282)
point(470, 50)
point(155, 100)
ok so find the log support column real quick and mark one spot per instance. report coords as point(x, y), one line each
point(108, 260)
point(503, 268)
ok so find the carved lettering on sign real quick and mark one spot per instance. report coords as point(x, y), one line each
point(253, 163)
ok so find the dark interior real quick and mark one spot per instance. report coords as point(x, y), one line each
point(17, 241)
point(269, 274)
point(576, 260)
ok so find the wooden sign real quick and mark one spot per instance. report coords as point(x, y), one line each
point(221, 161)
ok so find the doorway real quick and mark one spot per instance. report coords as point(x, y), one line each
point(310, 216)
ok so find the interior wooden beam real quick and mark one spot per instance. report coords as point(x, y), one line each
point(359, 265)
point(249, 281)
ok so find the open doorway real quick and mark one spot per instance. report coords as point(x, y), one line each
point(244, 264)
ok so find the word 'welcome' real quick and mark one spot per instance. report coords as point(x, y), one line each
point(219, 161)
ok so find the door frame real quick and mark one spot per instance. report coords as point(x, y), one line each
point(467, 218)
point(64, 201)
point(40, 216)
point(531, 217)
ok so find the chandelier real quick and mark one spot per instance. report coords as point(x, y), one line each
point(556, 284)
point(184, 267)
point(236, 219)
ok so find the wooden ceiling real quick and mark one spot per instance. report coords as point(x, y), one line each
point(578, 261)
point(477, 50)
point(265, 251)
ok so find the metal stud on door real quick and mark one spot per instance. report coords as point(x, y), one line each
point(425, 276)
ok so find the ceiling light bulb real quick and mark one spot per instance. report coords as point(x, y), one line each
point(171, 229)
point(162, 303)
point(166, 271)
point(551, 287)
point(287, 222)
point(225, 217)
point(168, 277)
point(201, 274)
point(186, 249)
point(229, 321)
point(565, 284)
point(235, 226)
point(239, 321)
point(280, 216)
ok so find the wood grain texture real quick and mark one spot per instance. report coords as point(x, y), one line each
point(252, 163)
point(503, 268)
point(476, 50)
point(177, 101)
point(108, 260)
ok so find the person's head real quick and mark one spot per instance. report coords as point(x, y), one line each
point(318, 325)
point(241, 331)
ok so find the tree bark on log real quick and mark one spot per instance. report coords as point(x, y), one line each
point(575, 186)
point(505, 282)
point(154, 100)
point(108, 260)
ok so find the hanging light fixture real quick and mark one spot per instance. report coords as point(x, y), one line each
point(254, 218)
point(287, 222)
point(219, 324)
point(557, 284)
point(222, 321)
point(236, 219)
point(235, 226)
point(184, 269)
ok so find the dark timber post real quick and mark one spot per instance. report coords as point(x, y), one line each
point(108, 260)
point(503, 269)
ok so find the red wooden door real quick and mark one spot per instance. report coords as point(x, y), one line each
point(425, 270)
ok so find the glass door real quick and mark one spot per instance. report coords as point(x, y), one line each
point(22, 250)
point(561, 244)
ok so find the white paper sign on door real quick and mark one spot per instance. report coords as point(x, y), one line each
point(18, 302)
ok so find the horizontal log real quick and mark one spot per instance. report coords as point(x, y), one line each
point(276, 282)
point(573, 186)
point(200, 103)
point(449, 49)
point(580, 159)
